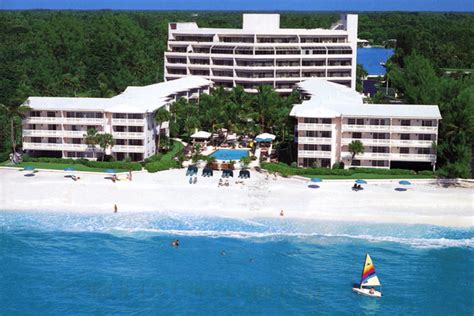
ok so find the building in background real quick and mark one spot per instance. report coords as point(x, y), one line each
point(262, 53)
point(332, 116)
point(57, 126)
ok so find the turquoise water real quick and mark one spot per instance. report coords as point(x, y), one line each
point(230, 154)
point(371, 58)
point(121, 264)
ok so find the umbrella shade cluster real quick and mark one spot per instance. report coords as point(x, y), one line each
point(265, 138)
point(29, 168)
point(313, 186)
point(404, 182)
point(192, 170)
point(227, 173)
point(110, 170)
point(207, 172)
point(316, 180)
point(360, 181)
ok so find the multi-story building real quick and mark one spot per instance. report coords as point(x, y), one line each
point(332, 116)
point(262, 53)
point(57, 126)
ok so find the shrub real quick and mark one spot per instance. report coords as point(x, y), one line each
point(338, 165)
point(160, 165)
point(89, 163)
point(4, 156)
point(427, 173)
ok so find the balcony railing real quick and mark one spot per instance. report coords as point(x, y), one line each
point(41, 132)
point(314, 154)
point(372, 156)
point(128, 148)
point(119, 121)
point(43, 120)
point(365, 128)
point(314, 140)
point(414, 129)
point(83, 120)
point(314, 127)
point(366, 141)
point(54, 146)
point(411, 143)
point(128, 135)
point(413, 157)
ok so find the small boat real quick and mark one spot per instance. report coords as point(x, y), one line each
point(368, 280)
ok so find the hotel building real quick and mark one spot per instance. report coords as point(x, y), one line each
point(262, 53)
point(332, 116)
point(57, 126)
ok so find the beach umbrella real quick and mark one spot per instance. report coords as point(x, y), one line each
point(360, 181)
point(29, 168)
point(264, 138)
point(69, 169)
point(404, 182)
point(313, 186)
point(316, 180)
point(110, 170)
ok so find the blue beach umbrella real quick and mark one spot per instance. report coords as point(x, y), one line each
point(29, 168)
point(69, 169)
point(110, 170)
point(404, 182)
point(360, 181)
point(316, 180)
point(313, 186)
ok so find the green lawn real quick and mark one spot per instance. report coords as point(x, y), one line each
point(368, 176)
point(58, 166)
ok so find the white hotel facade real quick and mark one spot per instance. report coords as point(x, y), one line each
point(332, 116)
point(57, 126)
point(262, 53)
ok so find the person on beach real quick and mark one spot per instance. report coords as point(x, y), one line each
point(115, 208)
point(130, 175)
point(282, 213)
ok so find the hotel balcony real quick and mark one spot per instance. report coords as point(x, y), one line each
point(367, 141)
point(128, 148)
point(314, 127)
point(42, 132)
point(365, 128)
point(129, 135)
point(313, 154)
point(126, 121)
point(54, 146)
point(43, 120)
point(413, 157)
point(411, 143)
point(366, 156)
point(415, 129)
point(315, 140)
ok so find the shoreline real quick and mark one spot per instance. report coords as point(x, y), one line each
point(169, 192)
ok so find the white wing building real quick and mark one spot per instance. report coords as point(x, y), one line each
point(263, 53)
point(332, 116)
point(57, 126)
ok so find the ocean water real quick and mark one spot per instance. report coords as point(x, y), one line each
point(123, 264)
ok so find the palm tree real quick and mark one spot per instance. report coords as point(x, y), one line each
point(105, 141)
point(162, 115)
point(91, 138)
point(12, 114)
point(263, 103)
point(355, 148)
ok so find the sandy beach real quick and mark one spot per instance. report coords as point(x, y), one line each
point(170, 191)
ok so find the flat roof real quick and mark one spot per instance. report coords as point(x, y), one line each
point(132, 100)
point(329, 100)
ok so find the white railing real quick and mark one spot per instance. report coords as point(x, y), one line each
point(47, 146)
point(365, 128)
point(68, 133)
point(314, 127)
point(83, 120)
point(414, 129)
point(68, 146)
point(314, 140)
point(117, 121)
point(375, 156)
point(128, 148)
point(366, 141)
point(314, 154)
point(411, 143)
point(41, 132)
point(413, 157)
point(43, 120)
point(128, 134)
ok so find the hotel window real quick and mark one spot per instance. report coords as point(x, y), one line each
point(424, 137)
point(50, 114)
point(326, 121)
point(379, 149)
point(378, 163)
point(311, 120)
point(351, 121)
point(424, 151)
point(310, 134)
point(325, 134)
point(360, 122)
point(51, 127)
point(405, 123)
point(325, 147)
point(76, 140)
point(309, 147)
point(427, 123)
point(357, 135)
point(35, 113)
point(405, 136)
point(404, 150)
point(355, 163)
point(380, 136)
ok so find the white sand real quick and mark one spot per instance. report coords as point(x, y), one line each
point(423, 203)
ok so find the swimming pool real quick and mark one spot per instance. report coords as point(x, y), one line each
point(230, 154)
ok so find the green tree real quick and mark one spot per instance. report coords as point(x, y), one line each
point(91, 139)
point(14, 115)
point(105, 141)
point(355, 148)
point(161, 116)
point(361, 74)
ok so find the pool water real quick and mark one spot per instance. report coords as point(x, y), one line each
point(371, 59)
point(230, 154)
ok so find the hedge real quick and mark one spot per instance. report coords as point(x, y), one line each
point(165, 161)
point(89, 163)
point(286, 170)
point(4, 156)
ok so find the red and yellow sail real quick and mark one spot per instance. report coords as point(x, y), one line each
point(369, 278)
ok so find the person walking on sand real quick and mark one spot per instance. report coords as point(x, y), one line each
point(282, 213)
point(115, 208)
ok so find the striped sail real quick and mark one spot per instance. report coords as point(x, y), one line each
point(369, 278)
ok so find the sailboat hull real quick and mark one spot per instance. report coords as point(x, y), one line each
point(366, 292)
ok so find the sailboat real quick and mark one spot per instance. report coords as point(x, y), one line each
point(368, 280)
